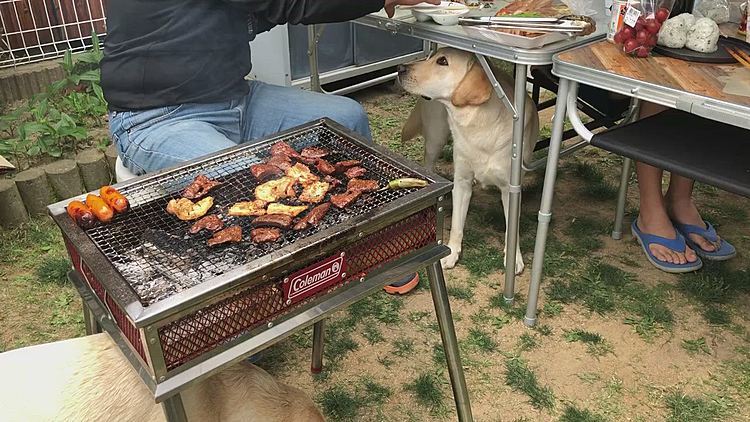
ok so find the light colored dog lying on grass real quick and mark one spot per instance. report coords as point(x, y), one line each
point(458, 99)
point(88, 379)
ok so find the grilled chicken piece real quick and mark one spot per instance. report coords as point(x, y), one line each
point(343, 166)
point(281, 221)
point(249, 208)
point(345, 199)
point(325, 167)
point(314, 152)
point(199, 187)
point(314, 217)
point(333, 181)
point(265, 234)
point(186, 210)
point(282, 161)
point(265, 171)
point(302, 174)
point(231, 234)
point(355, 172)
point(290, 210)
point(315, 192)
point(282, 147)
point(209, 222)
point(362, 185)
point(273, 190)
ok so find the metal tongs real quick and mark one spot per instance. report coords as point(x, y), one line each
point(524, 24)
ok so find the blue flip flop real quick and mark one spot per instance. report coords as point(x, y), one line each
point(722, 253)
point(678, 245)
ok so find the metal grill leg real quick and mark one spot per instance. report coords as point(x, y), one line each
point(89, 320)
point(174, 411)
point(450, 344)
point(621, 199)
point(317, 351)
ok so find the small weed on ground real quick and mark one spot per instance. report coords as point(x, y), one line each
point(522, 379)
point(696, 346)
point(596, 186)
point(428, 393)
point(53, 269)
point(480, 341)
point(574, 414)
point(339, 404)
point(685, 408)
point(527, 342)
point(403, 347)
point(595, 343)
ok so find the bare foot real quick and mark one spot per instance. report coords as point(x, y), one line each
point(685, 212)
point(663, 227)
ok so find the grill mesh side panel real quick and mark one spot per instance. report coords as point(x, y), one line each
point(207, 328)
point(152, 250)
point(123, 323)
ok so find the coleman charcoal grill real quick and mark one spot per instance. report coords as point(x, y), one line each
point(180, 310)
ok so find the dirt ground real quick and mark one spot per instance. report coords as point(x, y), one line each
point(617, 340)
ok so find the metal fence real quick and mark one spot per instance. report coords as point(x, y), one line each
point(36, 30)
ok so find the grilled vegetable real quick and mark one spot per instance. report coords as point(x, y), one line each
point(209, 222)
point(281, 221)
point(247, 209)
point(186, 210)
point(406, 183)
point(314, 192)
point(314, 217)
point(286, 209)
point(362, 185)
point(199, 187)
point(274, 190)
point(81, 214)
point(265, 234)
point(114, 199)
point(232, 234)
point(101, 210)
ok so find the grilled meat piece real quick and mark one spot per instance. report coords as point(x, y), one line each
point(281, 221)
point(343, 166)
point(314, 217)
point(249, 208)
point(199, 187)
point(282, 161)
point(333, 181)
point(345, 199)
point(362, 185)
point(325, 167)
point(265, 171)
point(186, 210)
point(231, 234)
point(273, 190)
point(314, 152)
point(265, 234)
point(282, 147)
point(355, 172)
point(209, 222)
point(315, 192)
point(302, 174)
point(290, 210)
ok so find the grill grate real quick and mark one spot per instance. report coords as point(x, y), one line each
point(152, 250)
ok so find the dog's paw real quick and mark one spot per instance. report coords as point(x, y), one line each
point(449, 261)
point(519, 265)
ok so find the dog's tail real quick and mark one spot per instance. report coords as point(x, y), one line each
point(413, 126)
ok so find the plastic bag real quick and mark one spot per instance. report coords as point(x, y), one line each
point(583, 7)
point(642, 22)
point(716, 10)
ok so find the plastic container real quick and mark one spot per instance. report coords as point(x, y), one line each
point(641, 26)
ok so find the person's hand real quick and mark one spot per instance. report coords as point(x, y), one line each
point(390, 5)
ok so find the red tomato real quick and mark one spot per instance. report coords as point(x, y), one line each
point(630, 45)
point(652, 40)
point(640, 24)
point(642, 37)
point(627, 33)
point(618, 37)
point(653, 26)
point(642, 52)
point(662, 14)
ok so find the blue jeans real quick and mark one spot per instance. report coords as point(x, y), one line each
point(150, 140)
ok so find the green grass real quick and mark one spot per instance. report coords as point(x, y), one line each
point(478, 256)
point(480, 341)
point(383, 307)
point(53, 269)
point(527, 342)
point(715, 285)
point(374, 393)
point(737, 372)
point(586, 232)
point(24, 245)
point(595, 343)
point(515, 310)
point(715, 315)
point(552, 309)
point(403, 347)
point(696, 346)
point(596, 186)
point(438, 355)
point(339, 342)
point(521, 378)
point(685, 408)
point(372, 334)
point(574, 414)
point(428, 393)
point(461, 292)
point(338, 404)
point(543, 329)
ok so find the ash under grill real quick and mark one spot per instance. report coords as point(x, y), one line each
point(157, 257)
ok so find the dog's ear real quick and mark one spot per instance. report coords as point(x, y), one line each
point(474, 89)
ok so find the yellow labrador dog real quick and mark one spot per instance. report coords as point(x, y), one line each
point(88, 379)
point(458, 99)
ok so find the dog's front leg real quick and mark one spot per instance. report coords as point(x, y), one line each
point(463, 179)
point(519, 257)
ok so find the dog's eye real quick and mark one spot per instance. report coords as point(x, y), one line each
point(442, 61)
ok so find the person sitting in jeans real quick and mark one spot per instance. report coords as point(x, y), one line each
point(173, 74)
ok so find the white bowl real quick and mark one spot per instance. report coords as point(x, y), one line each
point(420, 16)
point(447, 17)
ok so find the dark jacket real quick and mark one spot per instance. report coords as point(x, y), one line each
point(168, 52)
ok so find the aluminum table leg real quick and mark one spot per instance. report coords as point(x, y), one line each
point(317, 348)
point(621, 199)
point(545, 210)
point(89, 320)
point(173, 409)
point(450, 343)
